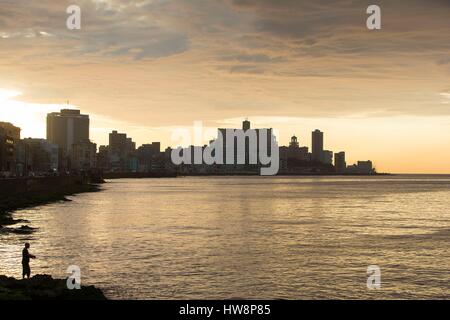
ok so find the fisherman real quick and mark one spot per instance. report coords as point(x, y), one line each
point(26, 271)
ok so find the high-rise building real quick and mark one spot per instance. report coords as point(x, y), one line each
point(246, 125)
point(294, 142)
point(156, 147)
point(103, 162)
point(327, 157)
point(66, 128)
point(339, 162)
point(365, 167)
point(317, 145)
point(295, 151)
point(148, 156)
point(84, 155)
point(10, 130)
point(120, 143)
point(362, 167)
point(9, 139)
point(39, 156)
point(251, 147)
point(121, 151)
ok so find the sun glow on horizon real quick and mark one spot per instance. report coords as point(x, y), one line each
point(6, 94)
point(399, 154)
point(26, 115)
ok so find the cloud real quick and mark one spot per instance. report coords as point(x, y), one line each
point(253, 58)
point(337, 28)
point(444, 61)
point(158, 28)
point(446, 98)
point(215, 58)
point(108, 28)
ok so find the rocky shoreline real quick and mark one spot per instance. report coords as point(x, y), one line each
point(39, 287)
point(44, 287)
point(12, 202)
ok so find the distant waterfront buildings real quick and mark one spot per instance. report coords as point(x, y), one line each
point(339, 162)
point(37, 156)
point(253, 139)
point(327, 157)
point(149, 157)
point(294, 144)
point(293, 153)
point(120, 153)
point(246, 125)
point(9, 139)
point(84, 155)
point(317, 145)
point(69, 129)
point(297, 159)
point(361, 167)
point(68, 149)
point(66, 128)
point(120, 144)
point(297, 152)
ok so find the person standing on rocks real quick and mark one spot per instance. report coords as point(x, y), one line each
point(26, 271)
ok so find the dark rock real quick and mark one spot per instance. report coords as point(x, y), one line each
point(44, 287)
point(21, 230)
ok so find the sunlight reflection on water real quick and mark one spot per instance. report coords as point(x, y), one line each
point(247, 237)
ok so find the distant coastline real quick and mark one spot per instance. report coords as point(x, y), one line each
point(317, 174)
point(140, 175)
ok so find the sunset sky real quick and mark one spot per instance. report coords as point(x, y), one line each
point(145, 67)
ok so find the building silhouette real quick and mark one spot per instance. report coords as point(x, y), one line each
point(120, 143)
point(65, 129)
point(327, 157)
point(294, 151)
point(339, 162)
point(317, 145)
point(365, 167)
point(84, 155)
point(361, 167)
point(294, 142)
point(246, 125)
point(68, 149)
point(149, 157)
point(9, 140)
point(251, 147)
point(121, 153)
point(37, 157)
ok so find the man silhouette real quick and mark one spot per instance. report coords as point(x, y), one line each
point(26, 271)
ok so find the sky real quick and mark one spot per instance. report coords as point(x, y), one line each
point(147, 67)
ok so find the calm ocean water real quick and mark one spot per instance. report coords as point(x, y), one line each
point(247, 237)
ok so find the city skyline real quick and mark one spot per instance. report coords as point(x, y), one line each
point(100, 137)
point(69, 149)
point(147, 67)
point(209, 153)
